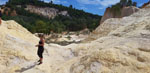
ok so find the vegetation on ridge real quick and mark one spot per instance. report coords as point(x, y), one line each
point(78, 19)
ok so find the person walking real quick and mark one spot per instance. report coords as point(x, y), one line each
point(40, 49)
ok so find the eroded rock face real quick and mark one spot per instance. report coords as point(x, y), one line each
point(126, 11)
point(113, 23)
point(19, 54)
point(46, 11)
point(146, 5)
point(15, 46)
point(108, 14)
point(13, 13)
point(123, 49)
point(6, 10)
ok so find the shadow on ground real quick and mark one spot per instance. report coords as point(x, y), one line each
point(26, 68)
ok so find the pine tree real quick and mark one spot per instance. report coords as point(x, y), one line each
point(51, 2)
point(134, 4)
point(129, 3)
point(71, 6)
point(123, 2)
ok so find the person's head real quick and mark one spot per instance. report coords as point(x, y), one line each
point(41, 36)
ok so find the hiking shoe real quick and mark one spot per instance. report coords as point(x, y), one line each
point(38, 60)
point(40, 63)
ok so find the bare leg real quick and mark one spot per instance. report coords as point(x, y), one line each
point(41, 59)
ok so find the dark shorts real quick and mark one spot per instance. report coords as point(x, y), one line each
point(40, 52)
point(0, 14)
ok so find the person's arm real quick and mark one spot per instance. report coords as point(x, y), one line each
point(36, 45)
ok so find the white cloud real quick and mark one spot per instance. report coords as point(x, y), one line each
point(60, 2)
point(83, 8)
point(109, 2)
point(101, 8)
point(47, 1)
point(104, 3)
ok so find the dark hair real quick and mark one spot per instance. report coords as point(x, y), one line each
point(41, 35)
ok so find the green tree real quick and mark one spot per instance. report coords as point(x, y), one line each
point(129, 3)
point(71, 6)
point(51, 2)
point(123, 2)
point(40, 26)
point(51, 27)
point(134, 4)
point(77, 19)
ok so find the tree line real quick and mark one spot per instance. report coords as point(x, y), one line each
point(78, 19)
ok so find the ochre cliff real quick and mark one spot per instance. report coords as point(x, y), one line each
point(125, 11)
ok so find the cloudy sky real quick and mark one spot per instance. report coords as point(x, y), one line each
point(91, 6)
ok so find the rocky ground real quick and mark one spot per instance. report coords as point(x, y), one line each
point(67, 38)
point(124, 48)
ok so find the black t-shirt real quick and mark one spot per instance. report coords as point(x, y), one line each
point(0, 14)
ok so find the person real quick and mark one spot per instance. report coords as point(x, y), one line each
point(0, 17)
point(40, 48)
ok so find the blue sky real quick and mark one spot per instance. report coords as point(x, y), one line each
point(91, 6)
